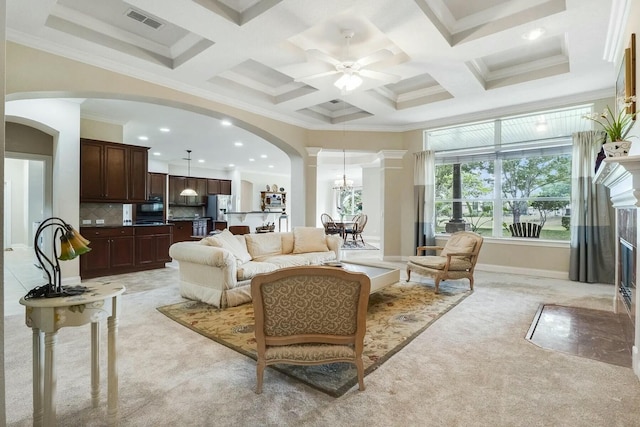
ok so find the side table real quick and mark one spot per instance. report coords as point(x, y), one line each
point(45, 316)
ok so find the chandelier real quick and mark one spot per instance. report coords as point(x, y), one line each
point(343, 184)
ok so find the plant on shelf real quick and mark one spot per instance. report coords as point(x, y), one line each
point(617, 128)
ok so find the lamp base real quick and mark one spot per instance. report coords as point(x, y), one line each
point(46, 291)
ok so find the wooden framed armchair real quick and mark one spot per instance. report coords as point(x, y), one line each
point(456, 260)
point(310, 316)
point(330, 227)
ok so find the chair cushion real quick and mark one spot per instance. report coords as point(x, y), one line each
point(309, 352)
point(438, 262)
point(234, 244)
point(459, 244)
point(309, 239)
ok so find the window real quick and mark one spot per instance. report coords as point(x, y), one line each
point(349, 201)
point(510, 170)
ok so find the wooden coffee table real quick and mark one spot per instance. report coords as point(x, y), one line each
point(380, 276)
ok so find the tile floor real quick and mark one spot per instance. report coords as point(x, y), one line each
point(20, 276)
point(593, 334)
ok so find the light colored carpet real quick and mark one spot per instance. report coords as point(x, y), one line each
point(396, 315)
point(473, 367)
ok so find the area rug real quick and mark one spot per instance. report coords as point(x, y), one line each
point(351, 244)
point(396, 315)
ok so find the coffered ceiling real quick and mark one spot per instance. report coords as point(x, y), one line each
point(425, 61)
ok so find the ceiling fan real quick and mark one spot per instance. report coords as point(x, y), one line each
point(350, 70)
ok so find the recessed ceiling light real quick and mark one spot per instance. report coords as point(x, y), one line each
point(165, 130)
point(225, 123)
point(263, 156)
point(252, 159)
point(200, 160)
point(143, 138)
point(231, 165)
point(238, 144)
point(534, 34)
point(271, 166)
point(156, 153)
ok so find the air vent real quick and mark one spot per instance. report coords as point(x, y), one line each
point(140, 17)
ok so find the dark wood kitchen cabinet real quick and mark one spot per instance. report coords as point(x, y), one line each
point(218, 186)
point(225, 186)
point(152, 245)
point(156, 185)
point(179, 183)
point(111, 172)
point(182, 231)
point(138, 165)
point(118, 250)
point(213, 186)
point(112, 250)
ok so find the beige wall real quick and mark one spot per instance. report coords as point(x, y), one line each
point(93, 129)
point(25, 139)
point(33, 71)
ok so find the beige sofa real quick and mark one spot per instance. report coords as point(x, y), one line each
point(218, 269)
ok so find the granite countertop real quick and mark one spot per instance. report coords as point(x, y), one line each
point(187, 218)
point(121, 225)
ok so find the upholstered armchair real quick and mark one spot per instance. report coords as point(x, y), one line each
point(456, 260)
point(310, 316)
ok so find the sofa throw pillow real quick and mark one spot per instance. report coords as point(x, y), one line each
point(228, 241)
point(309, 239)
point(263, 244)
point(287, 242)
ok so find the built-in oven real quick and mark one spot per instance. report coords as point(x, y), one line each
point(150, 213)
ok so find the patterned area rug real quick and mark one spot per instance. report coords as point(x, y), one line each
point(397, 314)
point(351, 244)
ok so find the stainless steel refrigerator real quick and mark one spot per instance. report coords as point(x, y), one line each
point(218, 206)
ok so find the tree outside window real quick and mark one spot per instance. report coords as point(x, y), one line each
point(349, 202)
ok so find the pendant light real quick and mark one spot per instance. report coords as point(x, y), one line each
point(188, 191)
point(343, 184)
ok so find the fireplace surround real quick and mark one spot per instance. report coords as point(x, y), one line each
point(622, 176)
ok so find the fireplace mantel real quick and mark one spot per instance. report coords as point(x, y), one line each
point(622, 176)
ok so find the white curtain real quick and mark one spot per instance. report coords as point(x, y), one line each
point(592, 256)
point(424, 176)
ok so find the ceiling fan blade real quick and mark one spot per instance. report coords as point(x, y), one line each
point(315, 76)
point(375, 57)
point(385, 77)
point(323, 57)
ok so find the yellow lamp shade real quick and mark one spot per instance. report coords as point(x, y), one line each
point(79, 236)
point(76, 241)
point(66, 249)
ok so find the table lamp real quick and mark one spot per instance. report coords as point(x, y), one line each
point(72, 244)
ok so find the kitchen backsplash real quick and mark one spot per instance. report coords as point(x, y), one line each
point(111, 213)
point(185, 212)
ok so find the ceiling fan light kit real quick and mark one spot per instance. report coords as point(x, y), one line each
point(351, 72)
point(348, 82)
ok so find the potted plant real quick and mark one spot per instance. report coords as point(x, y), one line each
point(617, 128)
